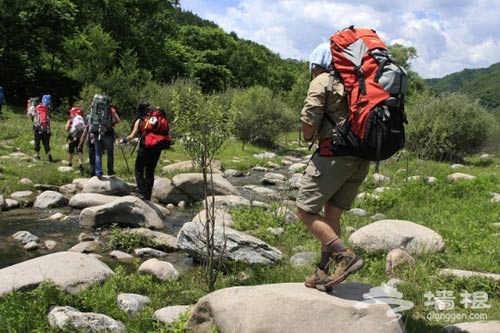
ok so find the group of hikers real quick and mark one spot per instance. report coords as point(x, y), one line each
point(334, 173)
point(96, 128)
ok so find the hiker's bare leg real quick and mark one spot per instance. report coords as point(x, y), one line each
point(318, 225)
point(332, 217)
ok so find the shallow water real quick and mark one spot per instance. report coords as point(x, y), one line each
point(66, 233)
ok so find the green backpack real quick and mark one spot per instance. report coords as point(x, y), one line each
point(101, 120)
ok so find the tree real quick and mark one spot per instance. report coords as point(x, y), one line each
point(205, 127)
point(93, 52)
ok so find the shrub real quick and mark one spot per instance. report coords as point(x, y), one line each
point(260, 116)
point(447, 127)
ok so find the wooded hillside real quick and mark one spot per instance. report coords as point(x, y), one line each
point(60, 46)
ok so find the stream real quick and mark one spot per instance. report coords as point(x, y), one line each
point(66, 232)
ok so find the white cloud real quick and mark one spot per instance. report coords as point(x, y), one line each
point(449, 35)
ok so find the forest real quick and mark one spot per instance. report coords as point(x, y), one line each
point(154, 51)
point(63, 47)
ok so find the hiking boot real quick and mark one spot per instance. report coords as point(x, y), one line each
point(318, 280)
point(346, 263)
point(51, 159)
point(81, 169)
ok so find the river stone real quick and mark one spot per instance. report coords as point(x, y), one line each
point(165, 193)
point(132, 303)
point(170, 314)
point(291, 308)
point(109, 185)
point(386, 235)
point(485, 326)
point(84, 200)
point(162, 270)
point(124, 211)
point(192, 185)
point(70, 271)
point(234, 245)
point(68, 317)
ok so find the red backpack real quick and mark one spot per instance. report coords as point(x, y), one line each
point(376, 88)
point(76, 110)
point(155, 130)
point(41, 120)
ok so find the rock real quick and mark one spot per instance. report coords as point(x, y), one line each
point(233, 245)
point(67, 317)
point(132, 303)
point(162, 270)
point(460, 176)
point(107, 185)
point(124, 211)
point(170, 314)
point(396, 259)
point(469, 274)
point(191, 184)
point(221, 217)
point(70, 271)
point(486, 326)
point(386, 235)
point(84, 200)
point(291, 308)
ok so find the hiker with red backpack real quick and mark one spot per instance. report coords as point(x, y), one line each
point(75, 126)
point(332, 177)
point(41, 129)
point(151, 127)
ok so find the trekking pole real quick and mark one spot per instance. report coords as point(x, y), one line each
point(123, 155)
point(135, 146)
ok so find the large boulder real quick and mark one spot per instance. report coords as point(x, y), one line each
point(291, 308)
point(50, 199)
point(107, 185)
point(232, 244)
point(84, 200)
point(165, 193)
point(192, 185)
point(386, 235)
point(70, 271)
point(124, 211)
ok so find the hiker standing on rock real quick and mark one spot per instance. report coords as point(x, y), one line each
point(331, 179)
point(103, 118)
point(151, 126)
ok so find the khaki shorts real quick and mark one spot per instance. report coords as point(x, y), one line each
point(334, 179)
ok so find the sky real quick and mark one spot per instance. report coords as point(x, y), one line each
point(448, 35)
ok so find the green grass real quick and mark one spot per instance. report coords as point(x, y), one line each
point(460, 212)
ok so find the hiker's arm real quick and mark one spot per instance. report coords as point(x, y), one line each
point(134, 133)
point(68, 125)
point(308, 131)
point(116, 118)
